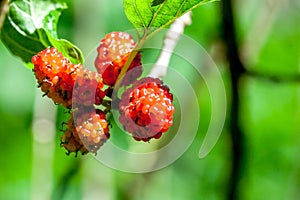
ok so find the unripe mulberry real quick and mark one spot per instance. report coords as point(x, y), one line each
point(113, 52)
point(87, 133)
point(146, 109)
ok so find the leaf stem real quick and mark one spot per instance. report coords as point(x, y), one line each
point(131, 57)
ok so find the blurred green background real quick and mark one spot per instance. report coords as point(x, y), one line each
point(34, 166)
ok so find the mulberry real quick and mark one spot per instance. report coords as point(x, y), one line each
point(88, 89)
point(113, 52)
point(88, 134)
point(55, 75)
point(146, 109)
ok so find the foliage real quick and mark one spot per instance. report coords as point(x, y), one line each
point(31, 26)
point(269, 117)
point(157, 13)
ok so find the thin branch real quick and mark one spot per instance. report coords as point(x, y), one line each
point(172, 37)
point(4, 7)
point(236, 71)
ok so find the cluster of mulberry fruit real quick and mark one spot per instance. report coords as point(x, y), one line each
point(146, 109)
point(76, 88)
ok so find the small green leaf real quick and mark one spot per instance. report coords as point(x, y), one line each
point(21, 32)
point(147, 14)
point(68, 49)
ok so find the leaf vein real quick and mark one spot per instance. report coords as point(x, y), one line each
point(20, 30)
point(139, 14)
point(152, 10)
point(179, 9)
point(17, 44)
point(20, 10)
point(155, 14)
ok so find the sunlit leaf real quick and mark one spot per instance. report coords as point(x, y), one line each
point(148, 14)
point(67, 49)
point(31, 26)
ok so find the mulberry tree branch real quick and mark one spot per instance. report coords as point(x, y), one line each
point(236, 69)
point(4, 7)
point(160, 68)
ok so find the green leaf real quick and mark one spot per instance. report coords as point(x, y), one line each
point(147, 14)
point(68, 49)
point(31, 26)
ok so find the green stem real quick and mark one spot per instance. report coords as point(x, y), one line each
point(131, 57)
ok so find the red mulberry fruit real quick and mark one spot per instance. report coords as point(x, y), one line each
point(113, 52)
point(146, 109)
point(88, 89)
point(88, 134)
point(55, 75)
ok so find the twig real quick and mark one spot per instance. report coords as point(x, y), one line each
point(4, 7)
point(236, 71)
point(160, 68)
